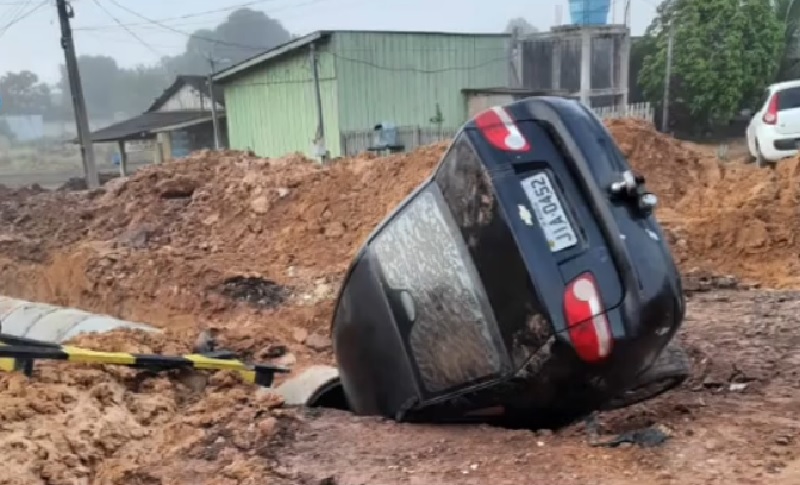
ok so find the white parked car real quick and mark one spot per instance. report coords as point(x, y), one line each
point(774, 131)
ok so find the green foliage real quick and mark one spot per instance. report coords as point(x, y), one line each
point(725, 52)
point(788, 13)
point(243, 34)
point(640, 49)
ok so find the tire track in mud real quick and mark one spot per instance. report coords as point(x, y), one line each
point(736, 421)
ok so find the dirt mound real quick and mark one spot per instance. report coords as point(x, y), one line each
point(257, 244)
point(730, 218)
point(671, 168)
point(256, 248)
point(81, 424)
point(34, 221)
point(745, 223)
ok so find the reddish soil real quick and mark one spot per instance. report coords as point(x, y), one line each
point(718, 435)
point(256, 248)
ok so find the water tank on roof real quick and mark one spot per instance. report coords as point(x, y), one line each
point(589, 12)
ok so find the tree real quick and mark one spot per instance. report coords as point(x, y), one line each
point(725, 53)
point(99, 79)
point(22, 93)
point(522, 26)
point(141, 86)
point(243, 34)
point(640, 49)
point(788, 13)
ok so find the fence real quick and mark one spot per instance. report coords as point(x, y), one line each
point(411, 137)
point(28, 128)
point(640, 111)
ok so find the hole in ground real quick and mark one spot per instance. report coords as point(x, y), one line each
point(255, 291)
point(332, 396)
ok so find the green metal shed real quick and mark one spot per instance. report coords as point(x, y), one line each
point(411, 79)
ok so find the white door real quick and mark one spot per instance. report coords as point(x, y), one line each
point(788, 112)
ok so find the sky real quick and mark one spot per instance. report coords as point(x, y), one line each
point(33, 43)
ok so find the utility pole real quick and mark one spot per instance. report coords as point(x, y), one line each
point(65, 13)
point(667, 76)
point(320, 138)
point(627, 14)
point(214, 119)
point(514, 56)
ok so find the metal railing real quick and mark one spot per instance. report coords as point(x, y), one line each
point(641, 111)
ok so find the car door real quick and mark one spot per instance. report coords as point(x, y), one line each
point(788, 124)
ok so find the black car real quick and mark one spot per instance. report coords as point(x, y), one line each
point(527, 280)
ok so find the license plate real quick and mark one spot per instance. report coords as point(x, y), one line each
point(549, 212)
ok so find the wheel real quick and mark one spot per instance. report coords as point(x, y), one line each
point(668, 371)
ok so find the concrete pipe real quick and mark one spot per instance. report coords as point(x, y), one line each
point(50, 323)
point(310, 386)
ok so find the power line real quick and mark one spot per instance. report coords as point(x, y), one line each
point(207, 39)
point(180, 17)
point(167, 27)
point(106, 37)
point(21, 15)
point(13, 12)
point(131, 32)
point(381, 68)
point(418, 70)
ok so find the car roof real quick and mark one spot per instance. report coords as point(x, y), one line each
point(784, 85)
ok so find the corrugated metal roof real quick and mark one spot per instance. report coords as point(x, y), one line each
point(198, 82)
point(145, 125)
point(188, 124)
point(247, 64)
point(270, 54)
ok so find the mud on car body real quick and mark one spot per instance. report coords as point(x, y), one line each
point(527, 276)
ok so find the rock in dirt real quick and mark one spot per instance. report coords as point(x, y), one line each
point(179, 187)
point(318, 342)
point(254, 290)
point(260, 205)
point(300, 335)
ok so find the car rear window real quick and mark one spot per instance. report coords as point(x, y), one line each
point(788, 99)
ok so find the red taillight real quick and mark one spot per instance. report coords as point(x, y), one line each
point(587, 324)
point(499, 129)
point(771, 116)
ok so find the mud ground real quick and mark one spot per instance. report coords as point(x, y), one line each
point(257, 248)
point(735, 422)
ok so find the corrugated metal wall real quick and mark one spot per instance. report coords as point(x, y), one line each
point(400, 77)
point(272, 111)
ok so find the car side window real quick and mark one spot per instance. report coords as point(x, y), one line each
point(789, 99)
